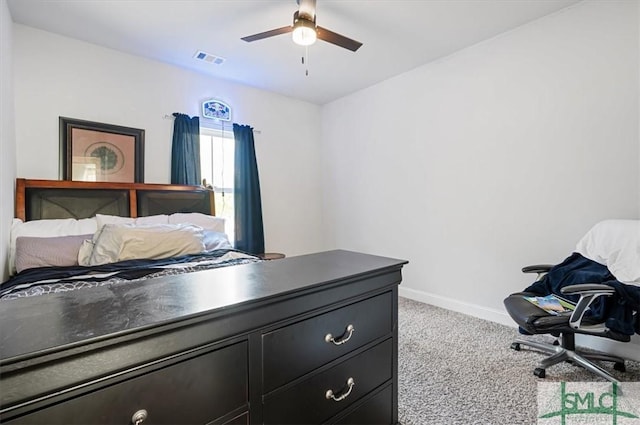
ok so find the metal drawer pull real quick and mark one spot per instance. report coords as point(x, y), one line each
point(329, 394)
point(139, 417)
point(342, 339)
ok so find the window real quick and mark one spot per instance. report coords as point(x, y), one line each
point(216, 166)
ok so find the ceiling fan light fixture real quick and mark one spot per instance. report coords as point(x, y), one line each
point(304, 32)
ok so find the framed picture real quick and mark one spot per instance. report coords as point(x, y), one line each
point(92, 151)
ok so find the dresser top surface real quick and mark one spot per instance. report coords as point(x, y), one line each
point(39, 323)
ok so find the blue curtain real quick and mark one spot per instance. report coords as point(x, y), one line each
point(249, 235)
point(185, 150)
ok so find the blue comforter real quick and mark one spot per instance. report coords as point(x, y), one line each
point(44, 280)
point(617, 310)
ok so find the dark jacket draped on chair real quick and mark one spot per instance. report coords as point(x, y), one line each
point(616, 310)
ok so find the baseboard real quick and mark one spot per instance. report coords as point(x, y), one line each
point(629, 350)
point(493, 315)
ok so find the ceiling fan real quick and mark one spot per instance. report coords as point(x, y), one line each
point(305, 31)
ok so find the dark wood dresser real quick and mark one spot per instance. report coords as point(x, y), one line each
point(302, 340)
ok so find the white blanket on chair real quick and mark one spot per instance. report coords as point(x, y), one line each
point(615, 244)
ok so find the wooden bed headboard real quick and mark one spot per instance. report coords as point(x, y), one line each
point(50, 199)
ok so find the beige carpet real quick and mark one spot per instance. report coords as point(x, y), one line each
point(457, 369)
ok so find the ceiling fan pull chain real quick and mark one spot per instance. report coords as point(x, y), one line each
point(306, 54)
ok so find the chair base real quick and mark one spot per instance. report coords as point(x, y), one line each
point(561, 353)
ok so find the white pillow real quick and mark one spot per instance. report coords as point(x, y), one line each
point(119, 242)
point(47, 228)
point(115, 219)
point(215, 240)
point(615, 244)
point(207, 222)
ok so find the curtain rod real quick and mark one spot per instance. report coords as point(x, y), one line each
point(170, 117)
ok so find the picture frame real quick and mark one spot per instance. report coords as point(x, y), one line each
point(93, 151)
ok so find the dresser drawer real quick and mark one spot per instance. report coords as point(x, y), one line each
point(307, 402)
point(194, 391)
point(294, 350)
point(242, 419)
point(377, 410)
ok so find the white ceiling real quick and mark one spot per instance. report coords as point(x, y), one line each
point(398, 35)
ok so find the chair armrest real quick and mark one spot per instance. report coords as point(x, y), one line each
point(540, 269)
point(587, 288)
point(537, 268)
point(588, 293)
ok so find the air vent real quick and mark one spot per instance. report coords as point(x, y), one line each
point(206, 57)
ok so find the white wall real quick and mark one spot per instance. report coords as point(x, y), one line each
point(58, 76)
point(501, 155)
point(7, 134)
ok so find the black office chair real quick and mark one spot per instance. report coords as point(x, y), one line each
point(535, 320)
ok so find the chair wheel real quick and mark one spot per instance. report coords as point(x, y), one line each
point(620, 367)
point(515, 346)
point(539, 372)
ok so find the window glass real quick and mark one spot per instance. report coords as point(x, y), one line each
point(216, 165)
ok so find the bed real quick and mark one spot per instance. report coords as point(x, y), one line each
point(306, 339)
point(57, 223)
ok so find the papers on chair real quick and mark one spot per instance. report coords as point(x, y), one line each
point(552, 304)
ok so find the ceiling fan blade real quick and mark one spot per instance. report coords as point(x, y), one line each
point(268, 34)
point(307, 9)
point(337, 39)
